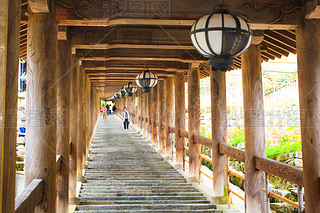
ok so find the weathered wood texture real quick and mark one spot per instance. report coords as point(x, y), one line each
point(162, 114)
point(194, 119)
point(169, 114)
point(63, 122)
point(180, 120)
point(308, 51)
point(40, 161)
point(81, 119)
point(88, 90)
point(9, 67)
point(39, 6)
point(219, 130)
point(282, 170)
point(30, 197)
point(74, 87)
point(232, 151)
point(255, 199)
point(203, 140)
point(155, 115)
point(146, 114)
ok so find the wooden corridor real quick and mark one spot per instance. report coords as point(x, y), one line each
point(125, 174)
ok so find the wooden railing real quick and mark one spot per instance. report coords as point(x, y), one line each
point(32, 195)
point(269, 166)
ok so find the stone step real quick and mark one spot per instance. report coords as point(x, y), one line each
point(145, 193)
point(147, 207)
point(152, 211)
point(130, 202)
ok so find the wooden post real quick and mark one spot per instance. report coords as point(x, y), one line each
point(9, 68)
point(255, 199)
point(63, 125)
point(162, 115)
point(155, 111)
point(219, 130)
point(73, 125)
point(308, 52)
point(180, 120)
point(169, 114)
point(40, 161)
point(84, 105)
point(146, 114)
point(80, 134)
point(149, 126)
point(194, 119)
point(88, 112)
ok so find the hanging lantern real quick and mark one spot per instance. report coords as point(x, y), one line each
point(221, 37)
point(146, 80)
point(130, 88)
point(117, 95)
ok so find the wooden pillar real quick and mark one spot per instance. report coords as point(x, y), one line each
point(88, 112)
point(149, 125)
point(308, 52)
point(255, 199)
point(162, 115)
point(169, 114)
point(73, 125)
point(80, 134)
point(155, 111)
point(194, 119)
point(9, 68)
point(180, 120)
point(84, 105)
point(63, 126)
point(40, 161)
point(219, 130)
point(146, 114)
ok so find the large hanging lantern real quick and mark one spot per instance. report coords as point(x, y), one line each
point(221, 37)
point(146, 80)
point(130, 88)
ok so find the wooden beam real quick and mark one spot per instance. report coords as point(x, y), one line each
point(194, 120)
point(30, 197)
point(133, 46)
point(9, 69)
point(219, 129)
point(231, 151)
point(135, 69)
point(81, 161)
point(103, 58)
point(39, 6)
point(62, 33)
point(312, 9)
point(179, 95)
point(63, 125)
point(155, 115)
point(255, 199)
point(308, 54)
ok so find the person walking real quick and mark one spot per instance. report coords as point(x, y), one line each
point(108, 108)
point(114, 108)
point(125, 116)
point(104, 111)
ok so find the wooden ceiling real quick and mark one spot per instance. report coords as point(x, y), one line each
point(116, 39)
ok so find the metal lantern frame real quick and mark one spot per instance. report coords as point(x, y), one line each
point(221, 37)
point(122, 92)
point(130, 88)
point(146, 80)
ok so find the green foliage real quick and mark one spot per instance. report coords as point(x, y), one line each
point(236, 136)
point(285, 146)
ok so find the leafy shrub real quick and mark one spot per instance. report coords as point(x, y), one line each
point(236, 136)
point(285, 146)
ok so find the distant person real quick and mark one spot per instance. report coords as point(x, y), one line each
point(114, 108)
point(104, 111)
point(125, 115)
point(108, 108)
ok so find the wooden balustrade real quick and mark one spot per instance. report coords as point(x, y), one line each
point(59, 162)
point(183, 133)
point(172, 129)
point(30, 197)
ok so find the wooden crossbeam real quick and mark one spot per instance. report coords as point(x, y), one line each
point(133, 46)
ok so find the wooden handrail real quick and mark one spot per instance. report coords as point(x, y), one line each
point(183, 133)
point(203, 141)
point(59, 162)
point(30, 197)
point(163, 126)
point(231, 151)
point(282, 170)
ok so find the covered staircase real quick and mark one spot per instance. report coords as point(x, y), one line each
point(125, 174)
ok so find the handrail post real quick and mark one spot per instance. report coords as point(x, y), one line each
point(254, 129)
point(161, 114)
point(179, 94)
point(194, 119)
point(169, 114)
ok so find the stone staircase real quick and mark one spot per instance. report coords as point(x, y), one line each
point(126, 175)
